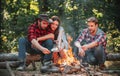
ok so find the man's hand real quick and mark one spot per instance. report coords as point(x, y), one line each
point(45, 51)
point(85, 47)
point(81, 52)
point(77, 44)
point(56, 41)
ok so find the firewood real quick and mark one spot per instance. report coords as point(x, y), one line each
point(113, 57)
point(8, 57)
point(12, 64)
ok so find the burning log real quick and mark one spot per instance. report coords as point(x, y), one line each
point(67, 62)
point(67, 69)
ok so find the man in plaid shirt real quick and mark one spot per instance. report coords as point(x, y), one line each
point(37, 42)
point(94, 39)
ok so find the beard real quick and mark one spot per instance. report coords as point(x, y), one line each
point(91, 31)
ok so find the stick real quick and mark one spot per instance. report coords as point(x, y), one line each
point(9, 68)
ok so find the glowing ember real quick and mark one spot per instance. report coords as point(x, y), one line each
point(67, 59)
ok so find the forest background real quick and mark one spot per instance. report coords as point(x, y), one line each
point(17, 15)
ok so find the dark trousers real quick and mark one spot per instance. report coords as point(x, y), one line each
point(25, 46)
point(93, 56)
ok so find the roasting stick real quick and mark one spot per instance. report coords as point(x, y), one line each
point(78, 45)
point(9, 68)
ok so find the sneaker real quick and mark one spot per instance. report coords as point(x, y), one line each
point(45, 66)
point(21, 68)
point(44, 69)
point(47, 63)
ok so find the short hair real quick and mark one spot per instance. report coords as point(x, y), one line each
point(92, 19)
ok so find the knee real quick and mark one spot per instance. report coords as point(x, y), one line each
point(99, 50)
point(91, 60)
point(100, 47)
point(49, 42)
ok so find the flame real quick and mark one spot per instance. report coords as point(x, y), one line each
point(67, 58)
point(64, 59)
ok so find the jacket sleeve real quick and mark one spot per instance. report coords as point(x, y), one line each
point(62, 41)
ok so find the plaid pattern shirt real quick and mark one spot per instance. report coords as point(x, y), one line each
point(100, 37)
point(34, 32)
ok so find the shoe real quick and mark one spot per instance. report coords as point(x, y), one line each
point(21, 68)
point(44, 69)
point(47, 63)
point(45, 66)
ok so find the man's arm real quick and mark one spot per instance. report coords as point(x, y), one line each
point(101, 39)
point(90, 45)
point(48, 36)
point(32, 38)
point(38, 46)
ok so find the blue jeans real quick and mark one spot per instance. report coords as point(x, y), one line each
point(93, 56)
point(25, 46)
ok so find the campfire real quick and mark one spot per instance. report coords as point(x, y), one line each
point(68, 63)
point(65, 61)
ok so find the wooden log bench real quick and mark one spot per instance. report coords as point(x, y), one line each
point(9, 61)
point(14, 62)
point(13, 58)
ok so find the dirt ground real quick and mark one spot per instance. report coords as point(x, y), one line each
point(112, 69)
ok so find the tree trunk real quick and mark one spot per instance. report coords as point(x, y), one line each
point(8, 57)
point(13, 60)
point(113, 57)
point(12, 64)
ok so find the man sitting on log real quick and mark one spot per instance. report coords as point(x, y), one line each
point(32, 45)
point(94, 43)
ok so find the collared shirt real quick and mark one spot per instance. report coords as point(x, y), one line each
point(34, 32)
point(100, 37)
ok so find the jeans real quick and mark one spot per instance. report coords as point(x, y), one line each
point(25, 46)
point(93, 56)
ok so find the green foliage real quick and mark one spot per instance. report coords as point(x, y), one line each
point(19, 14)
